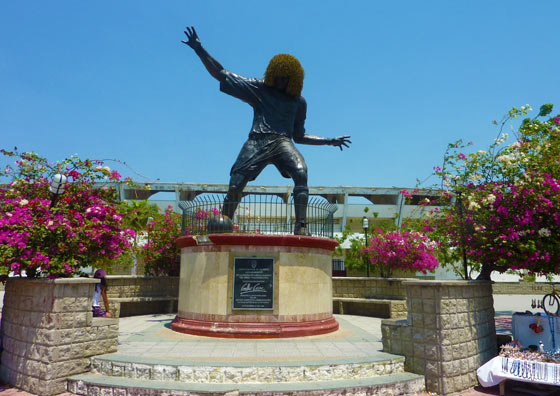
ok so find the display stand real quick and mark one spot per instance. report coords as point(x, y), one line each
point(524, 326)
point(500, 369)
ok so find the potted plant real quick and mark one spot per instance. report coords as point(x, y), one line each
point(48, 235)
point(47, 238)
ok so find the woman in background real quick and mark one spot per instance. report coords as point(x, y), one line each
point(100, 292)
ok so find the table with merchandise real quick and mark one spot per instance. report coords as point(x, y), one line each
point(533, 356)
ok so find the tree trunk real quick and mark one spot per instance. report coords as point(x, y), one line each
point(485, 272)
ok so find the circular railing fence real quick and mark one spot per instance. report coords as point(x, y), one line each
point(258, 213)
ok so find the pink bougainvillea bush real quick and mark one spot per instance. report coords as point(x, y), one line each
point(506, 226)
point(500, 207)
point(161, 254)
point(405, 250)
point(41, 236)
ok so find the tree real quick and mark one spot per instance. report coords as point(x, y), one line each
point(501, 207)
point(135, 216)
point(406, 250)
point(161, 254)
point(387, 249)
point(41, 237)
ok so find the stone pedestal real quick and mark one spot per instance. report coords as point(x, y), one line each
point(48, 332)
point(301, 295)
point(448, 334)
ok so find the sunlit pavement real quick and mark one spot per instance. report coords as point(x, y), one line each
point(504, 306)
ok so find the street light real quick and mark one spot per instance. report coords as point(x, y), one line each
point(365, 226)
point(57, 187)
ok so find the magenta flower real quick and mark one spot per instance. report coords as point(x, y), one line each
point(82, 228)
point(115, 176)
point(406, 250)
point(161, 254)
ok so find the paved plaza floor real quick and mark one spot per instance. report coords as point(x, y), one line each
point(149, 337)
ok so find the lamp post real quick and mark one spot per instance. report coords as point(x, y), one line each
point(365, 226)
point(57, 186)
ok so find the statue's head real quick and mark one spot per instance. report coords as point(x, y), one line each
point(285, 66)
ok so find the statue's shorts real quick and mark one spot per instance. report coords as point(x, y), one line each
point(263, 149)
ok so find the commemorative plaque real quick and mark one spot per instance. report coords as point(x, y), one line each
point(253, 283)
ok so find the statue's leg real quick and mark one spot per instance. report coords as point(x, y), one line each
point(301, 195)
point(224, 223)
point(291, 163)
point(237, 183)
point(242, 171)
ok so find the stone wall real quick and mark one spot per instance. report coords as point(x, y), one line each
point(372, 307)
point(360, 287)
point(142, 286)
point(130, 295)
point(375, 297)
point(448, 334)
point(381, 288)
point(536, 289)
point(124, 281)
point(48, 332)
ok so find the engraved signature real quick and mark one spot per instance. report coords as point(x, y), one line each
point(250, 288)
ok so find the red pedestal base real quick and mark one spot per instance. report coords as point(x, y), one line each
point(254, 329)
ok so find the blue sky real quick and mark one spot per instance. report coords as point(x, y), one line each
point(111, 79)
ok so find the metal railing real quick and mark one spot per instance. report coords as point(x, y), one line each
point(258, 213)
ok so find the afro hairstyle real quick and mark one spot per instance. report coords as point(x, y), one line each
point(285, 65)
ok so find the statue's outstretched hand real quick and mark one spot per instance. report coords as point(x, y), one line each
point(341, 141)
point(193, 40)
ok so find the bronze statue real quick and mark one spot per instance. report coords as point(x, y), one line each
point(279, 116)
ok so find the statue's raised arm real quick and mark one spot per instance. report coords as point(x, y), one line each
point(212, 65)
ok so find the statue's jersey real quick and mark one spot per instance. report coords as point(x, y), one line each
point(275, 112)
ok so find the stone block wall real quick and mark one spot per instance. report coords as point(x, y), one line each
point(142, 286)
point(536, 289)
point(130, 295)
point(48, 332)
point(448, 334)
point(376, 308)
point(381, 288)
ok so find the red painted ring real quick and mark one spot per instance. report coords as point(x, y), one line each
point(254, 329)
point(185, 241)
point(262, 240)
point(273, 240)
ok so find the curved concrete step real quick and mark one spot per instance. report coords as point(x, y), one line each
point(388, 385)
point(216, 372)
